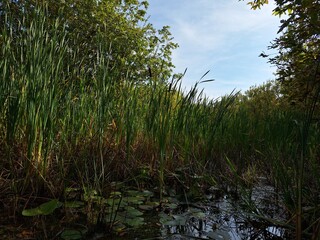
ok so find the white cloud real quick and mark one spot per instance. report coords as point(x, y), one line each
point(222, 35)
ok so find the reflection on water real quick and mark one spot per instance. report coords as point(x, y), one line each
point(225, 218)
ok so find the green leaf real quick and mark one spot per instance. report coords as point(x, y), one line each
point(146, 207)
point(197, 213)
point(133, 212)
point(44, 209)
point(164, 218)
point(31, 212)
point(70, 234)
point(48, 207)
point(147, 193)
point(135, 222)
point(135, 200)
point(172, 206)
point(73, 204)
point(180, 219)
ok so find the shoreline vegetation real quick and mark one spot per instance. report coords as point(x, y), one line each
point(74, 131)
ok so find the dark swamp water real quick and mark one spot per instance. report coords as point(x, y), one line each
point(220, 214)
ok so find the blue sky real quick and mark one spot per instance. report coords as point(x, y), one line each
point(223, 36)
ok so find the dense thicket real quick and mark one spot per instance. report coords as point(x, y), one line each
point(298, 49)
point(133, 46)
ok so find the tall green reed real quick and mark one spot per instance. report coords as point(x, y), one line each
point(31, 73)
point(281, 143)
point(90, 125)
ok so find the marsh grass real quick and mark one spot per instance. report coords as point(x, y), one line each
point(62, 126)
point(90, 127)
point(282, 145)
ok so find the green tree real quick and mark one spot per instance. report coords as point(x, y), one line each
point(130, 43)
point(262, 100)
point(298, 48)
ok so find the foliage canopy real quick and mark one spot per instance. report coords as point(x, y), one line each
point(120, 28)
point(298, 48)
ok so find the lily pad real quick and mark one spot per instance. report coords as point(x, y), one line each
point(135, 200)
point(135, 222)
point(197, 213)
point(147, 193)
point(44, 209)
point(32, 212)
point(171, 206)
point(146, 207)
point(180, 219)
point(133, 212)
point(71, 234)
point(173, 220)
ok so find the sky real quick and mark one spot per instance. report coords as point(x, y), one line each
point(224, 37)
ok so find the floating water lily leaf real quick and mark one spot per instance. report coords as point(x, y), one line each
point(134, 193)
point(70, 234)
point(171, 200)
point(133, 212)
point(172, 206)
point(172, 223)
point(197, 213)
point(135, 222)
point(180, 219)
point(147, 193)
point(146, 207)
point(164, 217)
point(49, 207)
point(44, 209)
point(154, 204)
point(175, 220)
point(31, 212)
point(74, 204)
point(135, 200)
